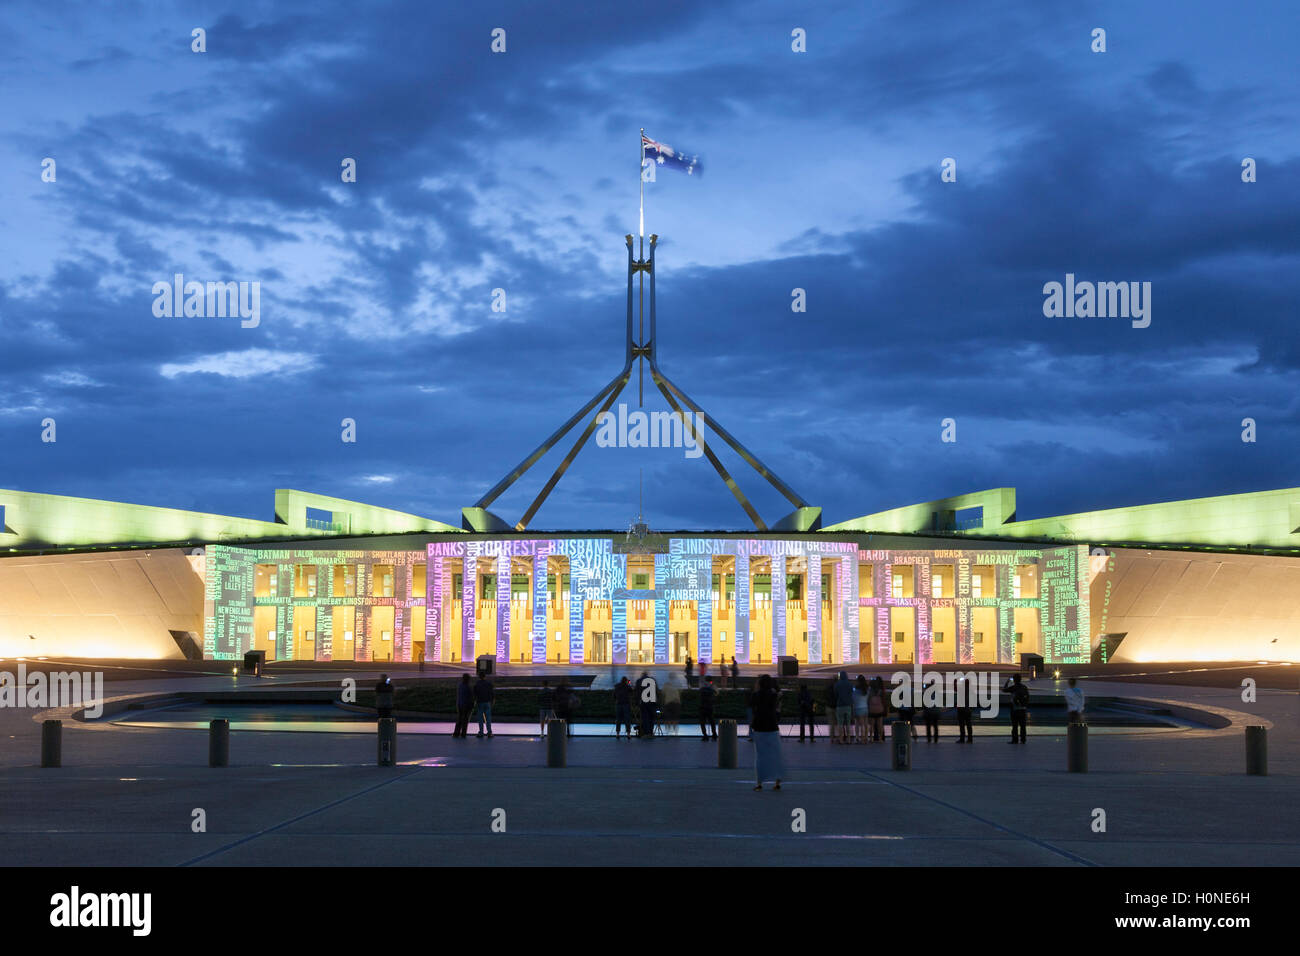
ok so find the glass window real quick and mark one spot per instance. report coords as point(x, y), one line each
point(304, 580)
point(345, 580)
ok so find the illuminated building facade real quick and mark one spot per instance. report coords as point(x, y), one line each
point(958, 580)
point(611, 600)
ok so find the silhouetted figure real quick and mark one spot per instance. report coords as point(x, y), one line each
point(384, 696)
point(708, 694)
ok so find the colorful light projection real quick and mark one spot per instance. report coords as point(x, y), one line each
point(683, 573)
point(231, 602)
point(1061, 601)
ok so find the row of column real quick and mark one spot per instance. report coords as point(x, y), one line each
point(440, 583)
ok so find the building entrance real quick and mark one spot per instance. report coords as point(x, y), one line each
point(640, 647)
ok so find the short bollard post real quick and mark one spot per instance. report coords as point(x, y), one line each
point(557, 743)
point(387, 742)
point(52, 743)
point(901, 745)
point(219, 743)
point(726, 744)
point(1076, 740)
point(1256, 751)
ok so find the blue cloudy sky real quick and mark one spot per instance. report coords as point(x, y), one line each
point(517, 171)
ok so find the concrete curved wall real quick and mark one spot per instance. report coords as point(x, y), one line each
point(1181, 606)
point(100, 605)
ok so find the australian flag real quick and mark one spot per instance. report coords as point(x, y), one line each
point(665, 157)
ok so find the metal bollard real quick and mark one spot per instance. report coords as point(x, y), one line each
point(727, 744)
point(219, 743)
point(387, 742)
point(52, 743)
point(901, 745)
point(557, 743)
point(1076, 744)
point(1256, 751)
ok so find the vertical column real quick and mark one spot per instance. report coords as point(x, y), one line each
point(618, 613)
point(283, 650)
point(965, 637)
point(433, 607)
point(541, 600)
point(740, 620)
point(924, 637)
point(1006, 619)
point(662, 604)
point(577, 608)
point(778, 606)
point(503, 572)
point(850, 612)
point(813, 602)
point(705, 608)
point(882, 587)
point(361, 639)
point(468, 607)
point(618, 627)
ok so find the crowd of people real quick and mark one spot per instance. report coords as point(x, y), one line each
point(855, 710)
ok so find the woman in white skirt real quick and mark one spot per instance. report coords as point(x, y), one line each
point(768, 763)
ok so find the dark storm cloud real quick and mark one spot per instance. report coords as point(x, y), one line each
point(377, 301)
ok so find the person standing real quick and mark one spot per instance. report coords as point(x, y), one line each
point(545, 704)
point(965, 731)
point(464, 704)
point(647, 692)
point(690, 668)
point(843, 705)
point(930, 714)
point(483, 695)
point(1019, 707)
point(861, 701)
point(562, 695)
point(832, 724)
point(735, 672)
point(877, 708)
point(672, 705)
point(708, 694)
point(806, 715)
point(384, 696)
point(623, 706)
point(768, 764)
point(1074, 702)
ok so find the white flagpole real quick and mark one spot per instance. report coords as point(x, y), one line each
point(640, 175)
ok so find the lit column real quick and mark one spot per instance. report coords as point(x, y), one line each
point(541, 598)
point(503, 602)
point(849, 610)
point(883, 588)
point(662, 604)
point(432, 611)
point(740, 620)
point(577, 608)
point(704, 609)
point(468, 608)
point(813, 604)
point(1006, 618)
point(618, 614)
point(778, 606)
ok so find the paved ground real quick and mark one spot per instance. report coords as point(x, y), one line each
point(127, 795)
